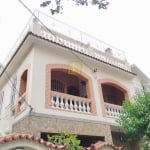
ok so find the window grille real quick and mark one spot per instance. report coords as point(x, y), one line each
point(1, 101)
point(57, 85)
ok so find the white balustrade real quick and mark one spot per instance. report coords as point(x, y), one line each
point(82, 41)
point(70, 102)
point(74, 33)
point(22, 101)
point(112, 110)
point(82, 49)
point(9, 111)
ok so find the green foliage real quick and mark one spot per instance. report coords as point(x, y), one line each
point(102, 4)
point(70, 141)
point(145, 146)
point(135, 117)
point(45, 3)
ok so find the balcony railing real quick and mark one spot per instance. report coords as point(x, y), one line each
point(9, 111)
point(78, 35)
point(73, 38)
point(112, 110)
point(81, 41)
point(22, 102)
point(69, 102)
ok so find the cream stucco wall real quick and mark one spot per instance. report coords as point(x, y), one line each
point(35, 60)
point(43, 55)
point(7, 119)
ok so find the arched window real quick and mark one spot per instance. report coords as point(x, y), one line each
point(112, 94)
point(23, 83)
point(75, 87)
point(65, 82)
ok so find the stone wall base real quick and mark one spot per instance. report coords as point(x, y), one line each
point(36, 124)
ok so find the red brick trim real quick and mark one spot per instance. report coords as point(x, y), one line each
point(100, 145)
point(27, 67)
point(18, 136)
point(115, 83)
point(78, 73)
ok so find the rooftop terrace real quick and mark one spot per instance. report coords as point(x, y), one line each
point(71, 37)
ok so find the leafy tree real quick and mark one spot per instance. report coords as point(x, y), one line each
point(70, 141)
point(135, 117)
point(57, 7)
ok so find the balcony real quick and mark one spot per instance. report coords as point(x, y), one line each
point(9, 111)
point(78, 104)
point(69, 102)
point(112, 110)
point(113, 97)
point(22, 102)
point(82, 42)
point(11, 108)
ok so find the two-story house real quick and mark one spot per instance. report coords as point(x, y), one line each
point(59, 78)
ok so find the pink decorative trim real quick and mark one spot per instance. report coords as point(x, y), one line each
point(114, 83)
point(78, 73)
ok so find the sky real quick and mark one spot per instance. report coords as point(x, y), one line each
point(124, 25)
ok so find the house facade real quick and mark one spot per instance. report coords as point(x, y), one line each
point(59, 78)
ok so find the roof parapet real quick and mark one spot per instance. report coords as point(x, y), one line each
point(71, 37)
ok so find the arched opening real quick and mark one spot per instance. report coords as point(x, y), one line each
point(112, 94)
point(23, 83)
point(23, 148)
point(22, 92)
point(68, 90)
point(65, 82)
